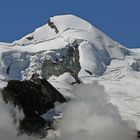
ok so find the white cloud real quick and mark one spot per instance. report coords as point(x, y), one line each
point(91, 117)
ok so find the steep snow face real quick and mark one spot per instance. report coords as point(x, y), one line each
point(100, 58)
point(41, 34)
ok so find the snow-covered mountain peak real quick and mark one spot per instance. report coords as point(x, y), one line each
point(54, 40)
point(68, 27)
point(56, 26)
point(69, 48)
point(69, 30)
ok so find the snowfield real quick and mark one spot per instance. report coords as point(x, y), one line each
point(103, 60)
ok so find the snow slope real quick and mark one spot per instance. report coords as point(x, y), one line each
point(111, 64)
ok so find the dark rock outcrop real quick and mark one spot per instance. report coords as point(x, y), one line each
point(34, 97)
point(69, 63)
point(30, 37)
point(51, 24)
point(35, 126)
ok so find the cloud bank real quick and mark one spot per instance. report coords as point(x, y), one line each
point(91, 117)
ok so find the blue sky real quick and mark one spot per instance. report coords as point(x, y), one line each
point(120, 19)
